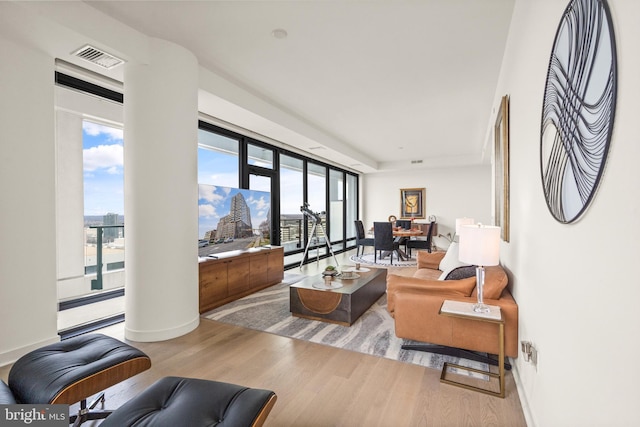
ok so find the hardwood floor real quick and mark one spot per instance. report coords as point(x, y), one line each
point(317, 385)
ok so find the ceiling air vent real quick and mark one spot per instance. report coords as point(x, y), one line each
point(415, 162)
point(98, 57)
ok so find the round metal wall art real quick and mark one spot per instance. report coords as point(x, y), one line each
point(578, 109)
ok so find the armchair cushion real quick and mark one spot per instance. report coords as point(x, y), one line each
point(495, 280)
point(430, 260)
point(397, 283)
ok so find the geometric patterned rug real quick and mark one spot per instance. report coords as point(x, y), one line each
point(368, 259)
point(373, 333)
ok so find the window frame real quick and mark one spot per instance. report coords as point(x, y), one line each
point(245, 169)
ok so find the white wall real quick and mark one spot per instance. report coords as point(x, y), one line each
point(575, 284)
point(450, 193)
point(27, 218)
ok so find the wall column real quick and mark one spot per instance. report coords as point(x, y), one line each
point(161, 194)
point(27, 185)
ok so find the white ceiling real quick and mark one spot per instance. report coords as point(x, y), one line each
point(376, 84)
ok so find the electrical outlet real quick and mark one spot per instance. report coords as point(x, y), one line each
point(530, 353)
point(534, 357)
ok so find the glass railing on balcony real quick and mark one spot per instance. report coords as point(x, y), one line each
point(109, 252)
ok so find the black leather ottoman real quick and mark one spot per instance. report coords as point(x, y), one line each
point(73, 370)
point(174, 401)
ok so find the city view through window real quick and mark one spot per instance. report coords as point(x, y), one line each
point(103, 170)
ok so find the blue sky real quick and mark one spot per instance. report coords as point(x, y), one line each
point(214, 202)
point(216, 168)
point(103, 169)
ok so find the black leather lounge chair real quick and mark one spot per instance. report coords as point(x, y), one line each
point(73, 370)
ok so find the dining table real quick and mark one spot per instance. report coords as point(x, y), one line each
point(408, 233)
point(400, 234)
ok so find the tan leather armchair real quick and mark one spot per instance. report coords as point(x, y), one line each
point(415, 301)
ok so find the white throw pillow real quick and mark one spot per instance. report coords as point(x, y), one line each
point(450, 260)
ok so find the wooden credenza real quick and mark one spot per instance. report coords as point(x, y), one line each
point(425, 228)
point(236, 274)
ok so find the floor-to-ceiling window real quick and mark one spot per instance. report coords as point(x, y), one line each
point(336, 209)
point(294, 181)
point(317, 200)
point(352, 207)
point(103, 172)
point(89, 204)
point(291, 200)
point(261, 170)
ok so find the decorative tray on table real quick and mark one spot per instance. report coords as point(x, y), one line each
point(357, 270)
point(327, 285)
point(333, 272)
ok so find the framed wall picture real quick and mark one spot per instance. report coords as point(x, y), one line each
point(412, 202)
point(501, 168)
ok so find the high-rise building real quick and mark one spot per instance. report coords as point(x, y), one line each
point(238, 223)
point(110, 234)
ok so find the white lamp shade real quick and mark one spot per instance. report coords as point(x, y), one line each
point(463, 221)
point(480, 244)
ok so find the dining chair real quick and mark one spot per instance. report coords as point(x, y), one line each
point(406, 225)
point(361, 239)
point(422, 244)
point(384, 240)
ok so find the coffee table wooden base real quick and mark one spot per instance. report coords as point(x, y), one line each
point(343, 305)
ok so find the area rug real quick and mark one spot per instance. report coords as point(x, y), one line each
point(383, 263)
point(373, 333)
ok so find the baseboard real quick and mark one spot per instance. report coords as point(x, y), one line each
point(90, 299)
point(161, 335)
point(90, 327)
point(526, 409)
point(11, 356)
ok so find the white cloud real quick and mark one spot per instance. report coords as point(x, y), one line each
point(207, 211)
point(260, 203)
point(103, 157)
point(207, 192)
point(94, 129)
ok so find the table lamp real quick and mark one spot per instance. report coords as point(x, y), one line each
point(460, 222)
point(480, 246)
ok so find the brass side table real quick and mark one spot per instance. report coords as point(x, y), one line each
point(464, 310)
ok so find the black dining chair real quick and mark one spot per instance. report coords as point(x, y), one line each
point(422, 244)
point(406, 225)
point(384, 240)
point(361, 239)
